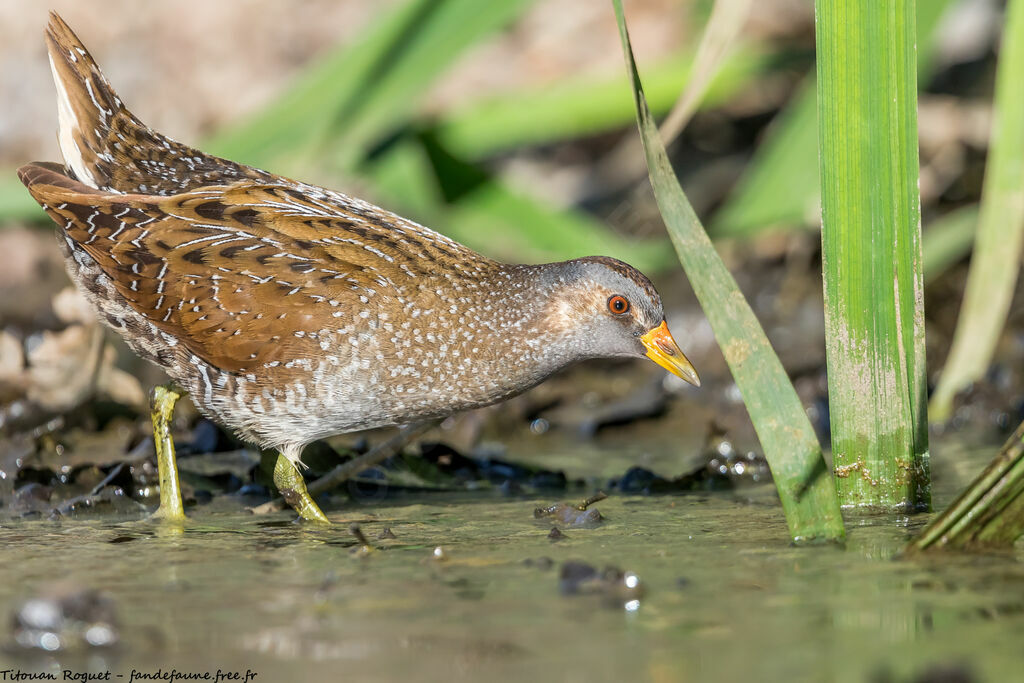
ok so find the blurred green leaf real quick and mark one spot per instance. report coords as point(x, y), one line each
point(948, 239)
point(418, 176)
point(567, 110)
point(995, 264)
point(16, 204)
point(780, 188)
point(365, 89)
point(368, 90)
point(718, 40)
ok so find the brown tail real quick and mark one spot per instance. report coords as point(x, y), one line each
point(105, 146)
point(56, 192)
point(47, 181)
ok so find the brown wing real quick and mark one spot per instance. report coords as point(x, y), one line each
point(242, 275)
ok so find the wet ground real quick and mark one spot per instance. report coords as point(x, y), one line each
point(474, 586)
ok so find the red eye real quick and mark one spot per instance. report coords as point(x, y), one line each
point(618, 304)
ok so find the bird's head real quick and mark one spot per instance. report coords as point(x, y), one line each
point(610, 309)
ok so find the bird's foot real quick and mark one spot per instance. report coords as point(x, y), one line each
point(292, 486)
point(161, 402)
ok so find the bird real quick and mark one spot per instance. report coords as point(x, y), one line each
point(290, 312)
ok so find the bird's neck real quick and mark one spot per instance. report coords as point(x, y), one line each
point(519, 346)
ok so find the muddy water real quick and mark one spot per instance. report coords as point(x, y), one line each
point(724, 596)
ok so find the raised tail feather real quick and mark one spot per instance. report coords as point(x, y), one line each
point(105, 146)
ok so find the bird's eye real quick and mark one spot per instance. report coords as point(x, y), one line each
point(617, 304)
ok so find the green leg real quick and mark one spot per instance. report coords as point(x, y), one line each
point(292, 486)
point(161, 403)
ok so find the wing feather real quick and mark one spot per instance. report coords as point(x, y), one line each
point(236, 277)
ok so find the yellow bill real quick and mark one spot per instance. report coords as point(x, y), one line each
point(663, 350)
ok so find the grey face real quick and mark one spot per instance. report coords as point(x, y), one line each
point(605, 306)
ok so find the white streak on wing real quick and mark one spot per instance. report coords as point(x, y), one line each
point(378, 252)
point(225, 241)
point(67, 123)
point(92, 96)
point(207, 387)
point(219, 235)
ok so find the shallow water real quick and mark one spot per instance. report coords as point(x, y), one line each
point(725, 596)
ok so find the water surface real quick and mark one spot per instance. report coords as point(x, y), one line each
point(725, 597)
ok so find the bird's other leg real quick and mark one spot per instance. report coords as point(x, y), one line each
point(292, 487)
point(161, 404)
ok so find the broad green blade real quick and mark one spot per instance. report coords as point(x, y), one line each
point(997, 247)
point(871, 252)
point(798, 466)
